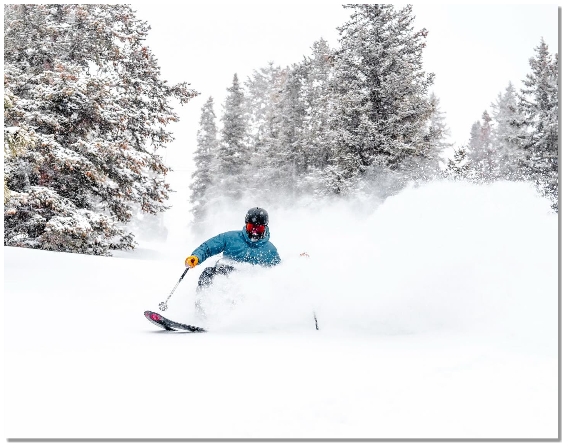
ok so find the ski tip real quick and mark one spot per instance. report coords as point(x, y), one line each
point(158, 320)
point(151, 315)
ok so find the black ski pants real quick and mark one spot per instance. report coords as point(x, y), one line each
point(206, 277)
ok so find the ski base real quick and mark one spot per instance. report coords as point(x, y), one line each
point(170, 325)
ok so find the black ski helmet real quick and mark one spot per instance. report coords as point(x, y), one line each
point(257, 216)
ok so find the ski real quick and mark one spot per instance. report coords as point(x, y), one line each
point(170, 325)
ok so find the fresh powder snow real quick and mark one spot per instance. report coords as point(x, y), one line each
point(438, 314)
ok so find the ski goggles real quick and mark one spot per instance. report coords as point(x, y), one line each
point(255, 228)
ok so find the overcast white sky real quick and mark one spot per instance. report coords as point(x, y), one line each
point(474, 50)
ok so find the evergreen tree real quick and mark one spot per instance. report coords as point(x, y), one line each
point(278, 104)
point(261, 96)
point(438, 133)
point(538, 132)
point(17, 140)
point(380, 93)
point(84, 84)
point(287, 158)
point(205, 161)
point(316, 135)
point(458, 167)
point(263, 99)
point(481, 149)
point(234, 157)
point(506, 114)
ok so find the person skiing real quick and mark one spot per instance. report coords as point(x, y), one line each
point(249, 245)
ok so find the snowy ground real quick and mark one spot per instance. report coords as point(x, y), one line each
point(438, 314)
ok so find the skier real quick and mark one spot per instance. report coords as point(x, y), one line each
point(249, 245)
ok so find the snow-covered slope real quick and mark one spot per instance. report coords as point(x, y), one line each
point(438, 312)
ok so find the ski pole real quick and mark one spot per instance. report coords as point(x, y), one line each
point(164, 305)
point(305, 254)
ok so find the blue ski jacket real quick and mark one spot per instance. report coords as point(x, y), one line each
point(237, 246)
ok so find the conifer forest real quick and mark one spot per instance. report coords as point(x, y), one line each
point(86, 111)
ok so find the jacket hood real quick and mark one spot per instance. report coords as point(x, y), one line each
point(258, 243)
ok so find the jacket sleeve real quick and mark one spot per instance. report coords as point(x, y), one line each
point(274, 258)
point(212, 246)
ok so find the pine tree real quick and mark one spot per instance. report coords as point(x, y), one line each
point(506, 114)
point(438, 133)
point(205, 161)
point(85, 85)
point(380, 93)
point(426, 164)
point(458, 167)
point(287, 158)
point(481, 149)
point(17, 140)
point(538, 133)
point(315, 139)
point(263, 98)
point(262, 93)
point(277, 106)
point(234, 157)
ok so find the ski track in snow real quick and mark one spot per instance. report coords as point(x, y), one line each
point(438, 312)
